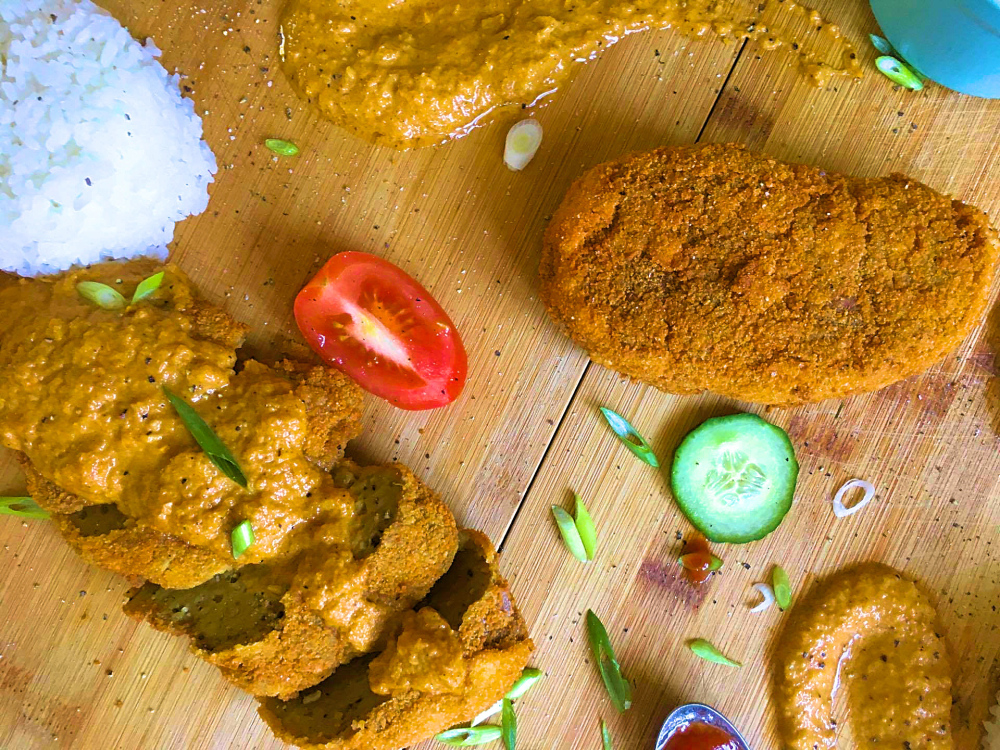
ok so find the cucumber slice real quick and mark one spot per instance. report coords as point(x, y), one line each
point(734, 477)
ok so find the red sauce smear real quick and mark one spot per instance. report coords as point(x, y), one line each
point(699, 736)
point(697, 560)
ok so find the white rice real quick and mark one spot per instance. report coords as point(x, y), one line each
point(991, 738)
point(99, 153)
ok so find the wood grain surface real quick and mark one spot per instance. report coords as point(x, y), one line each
point(75, 673)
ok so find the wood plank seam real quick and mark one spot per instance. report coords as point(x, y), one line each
point(589, 364)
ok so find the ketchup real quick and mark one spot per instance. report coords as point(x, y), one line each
point(699, 736)
point(697, 560)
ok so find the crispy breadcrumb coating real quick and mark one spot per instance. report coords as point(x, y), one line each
point(714, 268)
point(343, 713)
point(274, 630)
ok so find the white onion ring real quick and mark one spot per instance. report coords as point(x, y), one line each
point(768, 593)
point(838, 500)
point(523, 141)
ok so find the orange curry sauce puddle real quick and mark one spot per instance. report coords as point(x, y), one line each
point(406, 73)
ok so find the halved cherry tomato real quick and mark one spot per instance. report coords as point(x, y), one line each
point(371, 320)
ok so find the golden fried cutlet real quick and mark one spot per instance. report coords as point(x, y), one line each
point(275, 630)
point(714, 268)
point(480, 645)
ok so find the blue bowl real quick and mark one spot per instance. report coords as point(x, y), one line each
point(953, 42)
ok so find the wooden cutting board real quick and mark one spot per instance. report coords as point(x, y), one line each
point(75, 673)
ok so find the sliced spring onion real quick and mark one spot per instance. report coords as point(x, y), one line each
point(705, 650)
point(508, 724)
point(839, 510)
point(768, 593)
point(782, 587)
point(281, 147)
point(606, 736)
point(716, 564)
point(147, 287)
point(899, 72)
point(101, 295)
point(523, 140)
point(529, 677)
point(469, 736)
point(617, 686)
point(209, 442)
point(242, 538)
point(882, 44)
point(22, 507)
point(631, 437)
point(570, 534)
point(585, 525)
point(488, 714)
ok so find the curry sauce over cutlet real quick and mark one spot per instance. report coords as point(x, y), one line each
point(341, 552)
point(407, 73)
point(81, 397)
point(714, 268)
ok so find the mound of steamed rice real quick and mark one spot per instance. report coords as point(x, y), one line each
point(99, 153)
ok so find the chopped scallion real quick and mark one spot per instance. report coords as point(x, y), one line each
point(782, 587)
point(882, 44)
point(617, 686)
point(209, 442)
point(101, 295)
point(22, 507)
point(469, 736)
point(570, 534)
point(585, 525)
point(147, 287)
point(529, 677)
point(705, 650)
point(508, 724)
point(606, 736)
point(242, 538)
point(630, 437)
point(899, 72)
point(281, 147)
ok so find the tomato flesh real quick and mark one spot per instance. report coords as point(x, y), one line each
point(374, 322)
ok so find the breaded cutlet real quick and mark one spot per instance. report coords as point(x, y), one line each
point(279, 628)
point(419, 686)
point(711, 267)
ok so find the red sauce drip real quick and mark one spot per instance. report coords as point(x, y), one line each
point(697, 560)
point(699, 736)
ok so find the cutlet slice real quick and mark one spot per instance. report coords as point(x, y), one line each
point(105, 537)
point(138, 551)
point(714, 268)
point(274, 630)
point(453, 658)
point(333, 407)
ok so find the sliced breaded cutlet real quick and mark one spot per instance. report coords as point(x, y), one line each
point(275, 630)
point(135, 549)
point(458, 654)
point(711, 267)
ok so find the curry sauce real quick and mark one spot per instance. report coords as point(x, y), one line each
point(81, 396)
point(407, 73)
point(874, 629)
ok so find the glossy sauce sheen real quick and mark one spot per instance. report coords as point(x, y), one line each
point(699, 736)
point(408, 73)
point(895, 665)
